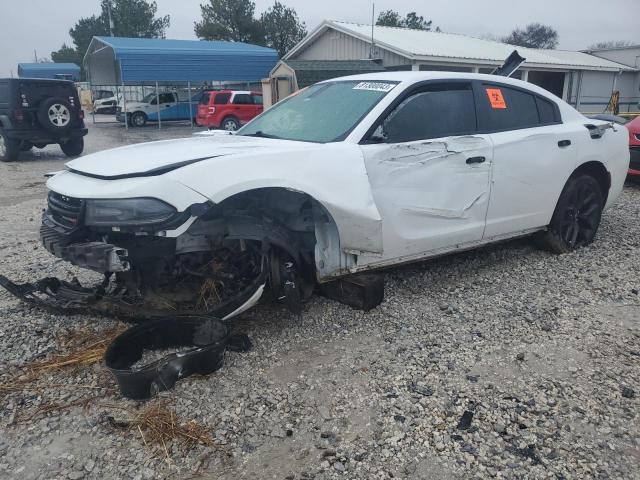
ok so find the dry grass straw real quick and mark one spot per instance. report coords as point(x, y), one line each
point(83, 347)
point(159, 426)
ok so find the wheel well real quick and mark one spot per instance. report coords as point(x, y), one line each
point(301, 214)
point(599, 173)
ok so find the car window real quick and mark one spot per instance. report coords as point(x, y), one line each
point(222, 99)
point(502, 108)
point(324, 112)
point(242, 99)
point(546, 111)
point(167, 98)
point(440, 111)
point(257, 99)
point(204, 99)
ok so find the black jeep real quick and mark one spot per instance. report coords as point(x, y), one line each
point(36, 112)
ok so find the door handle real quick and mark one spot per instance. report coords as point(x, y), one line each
point(564, 143)
point(473, 160)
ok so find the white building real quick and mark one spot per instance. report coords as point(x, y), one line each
point(584, 80)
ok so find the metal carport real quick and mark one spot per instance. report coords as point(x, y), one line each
point(120, 61)
point(63, 71)
point(139, 62)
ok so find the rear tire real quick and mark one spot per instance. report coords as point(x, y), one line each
point(9, 148)
point(576, 218)
point(74, 147)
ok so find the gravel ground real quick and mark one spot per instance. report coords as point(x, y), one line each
point(506, 361)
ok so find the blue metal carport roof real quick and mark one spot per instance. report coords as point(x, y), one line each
point(143, 60)
point(48, 70)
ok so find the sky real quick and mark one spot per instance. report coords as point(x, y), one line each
point(43, 25)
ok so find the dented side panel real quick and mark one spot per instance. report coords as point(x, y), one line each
point(428, 195)
point(333, 174)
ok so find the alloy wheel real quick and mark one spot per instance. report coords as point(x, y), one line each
point(59, 115)
point(581, 216)
point(3, 147)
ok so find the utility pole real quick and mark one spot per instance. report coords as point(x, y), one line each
point(110, 19)
point(35, 56)
point(373, 21)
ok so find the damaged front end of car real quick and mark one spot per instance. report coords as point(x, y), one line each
point(216, 260)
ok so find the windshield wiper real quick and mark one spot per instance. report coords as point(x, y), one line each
point(261, 134)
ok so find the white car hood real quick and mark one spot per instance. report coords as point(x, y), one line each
point(155, 158)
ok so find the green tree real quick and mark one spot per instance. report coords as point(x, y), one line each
point(391, 18)
point(534, 35)
point(229, 20)
point(131, 18)
point(282, 28)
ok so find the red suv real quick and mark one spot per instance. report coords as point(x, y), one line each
point(228, 109)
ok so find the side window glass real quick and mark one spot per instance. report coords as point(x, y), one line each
point(154, 101)
point(502, 108)
point(546, 111)
point(440, 112)
point(257, 99)
point(242, 99)
point(166, 98)
point(222, 98)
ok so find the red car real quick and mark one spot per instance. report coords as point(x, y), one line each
point(228, 109)
point(634, 147)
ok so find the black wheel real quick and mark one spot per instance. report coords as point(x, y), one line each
point(138, 119)
point(55, 114)
point(73, 147)
point(231, 124)
point(577, 216)
point(9, 148)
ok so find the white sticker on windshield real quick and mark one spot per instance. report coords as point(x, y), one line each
point(375, 86)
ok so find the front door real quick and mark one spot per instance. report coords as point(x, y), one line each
point(429, 173)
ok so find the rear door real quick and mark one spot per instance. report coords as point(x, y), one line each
point(534, 154)
point(243, 107)
point(257, 101)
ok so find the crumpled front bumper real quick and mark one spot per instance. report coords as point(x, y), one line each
point(98, 256)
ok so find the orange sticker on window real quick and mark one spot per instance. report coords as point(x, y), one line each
point(495, 98)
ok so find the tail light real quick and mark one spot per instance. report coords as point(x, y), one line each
point(81, 114)
point(18, 114)
point(212, 110)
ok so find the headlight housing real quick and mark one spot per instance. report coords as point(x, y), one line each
point(127, 212)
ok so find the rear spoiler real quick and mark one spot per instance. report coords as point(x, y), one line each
point(510, 65)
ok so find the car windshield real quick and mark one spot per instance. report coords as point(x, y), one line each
point(148, 98)
point(325, 112)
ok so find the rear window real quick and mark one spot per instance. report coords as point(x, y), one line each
point(502, 108)
point(242, 99)
point(546, 111)
point(36, 91)
point(222, 99)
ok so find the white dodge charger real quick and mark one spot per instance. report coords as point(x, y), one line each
point(346, 176)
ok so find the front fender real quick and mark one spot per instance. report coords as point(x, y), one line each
point(333, 174)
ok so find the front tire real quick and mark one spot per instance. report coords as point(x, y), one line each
point(74, 147)
point(230, 124)
point(577, 216)
point(138, 119)
point(9, 148)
